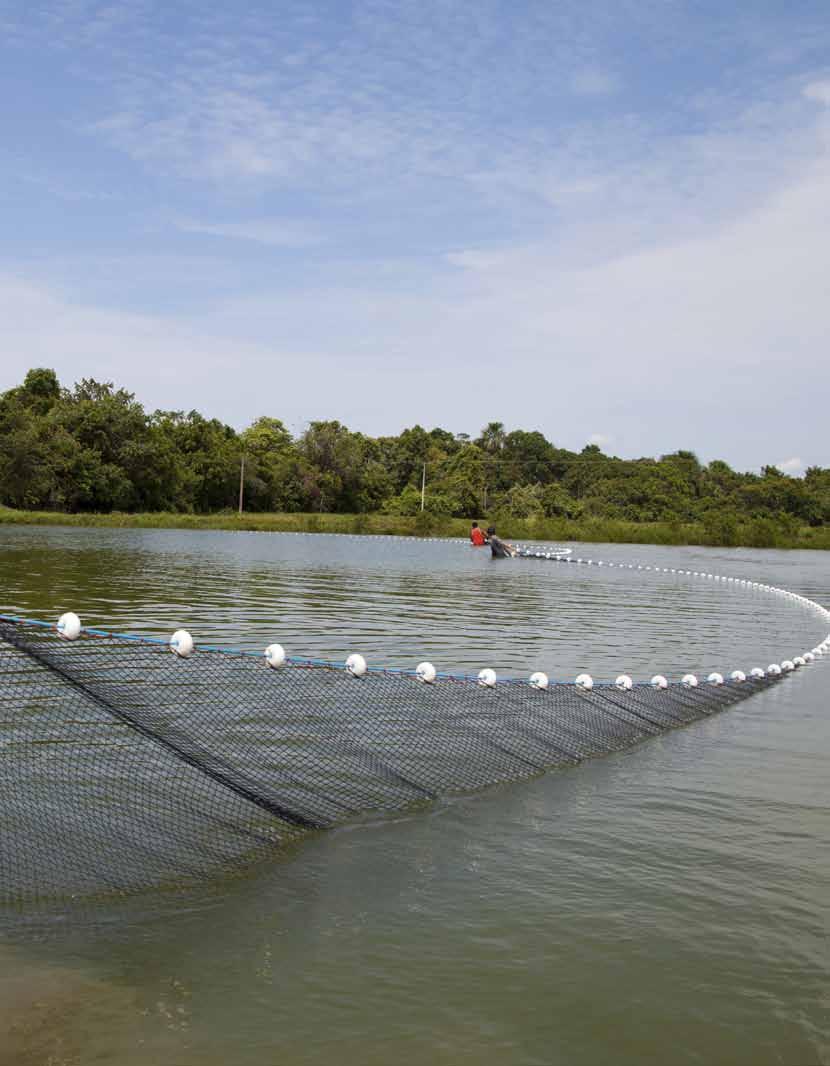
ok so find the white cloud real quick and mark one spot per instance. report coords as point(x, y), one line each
point(475, 260)
point(715, 342)
point(791, 466)
point(819, 91)
point(599, 439)
point(277, 232)
point(674, 344)
point(168, 362)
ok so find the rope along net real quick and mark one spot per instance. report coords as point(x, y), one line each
point(124, 767)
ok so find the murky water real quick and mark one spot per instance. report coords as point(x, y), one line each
point(670, 904)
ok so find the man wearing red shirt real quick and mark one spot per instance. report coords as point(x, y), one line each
point(477, 537)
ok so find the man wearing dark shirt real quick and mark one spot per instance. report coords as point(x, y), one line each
point(500, 548)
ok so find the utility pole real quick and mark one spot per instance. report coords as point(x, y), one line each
point(241, 483)
point(423, 486)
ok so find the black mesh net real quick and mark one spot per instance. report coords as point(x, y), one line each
point(124, 767)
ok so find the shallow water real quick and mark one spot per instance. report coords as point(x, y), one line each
point(669, 904)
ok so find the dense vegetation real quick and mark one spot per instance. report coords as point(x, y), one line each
point(93, 448)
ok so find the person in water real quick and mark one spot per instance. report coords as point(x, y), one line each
point(477, 536)
point(500, 548)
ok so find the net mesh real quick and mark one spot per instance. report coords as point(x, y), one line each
point(124, 767)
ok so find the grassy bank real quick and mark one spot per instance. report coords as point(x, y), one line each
point(757, 533)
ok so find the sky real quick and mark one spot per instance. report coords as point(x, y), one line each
point(608, 220)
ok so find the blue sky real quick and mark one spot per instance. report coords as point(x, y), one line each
point(608, 221)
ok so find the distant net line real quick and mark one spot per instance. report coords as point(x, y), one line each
point(123, 767)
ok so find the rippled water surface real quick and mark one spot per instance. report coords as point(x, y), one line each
point(669, 904)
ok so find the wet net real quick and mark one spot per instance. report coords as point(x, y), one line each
point(124, 767)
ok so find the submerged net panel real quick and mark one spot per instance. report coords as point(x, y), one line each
point(124, 767)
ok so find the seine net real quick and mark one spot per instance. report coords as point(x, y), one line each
point(124, 767)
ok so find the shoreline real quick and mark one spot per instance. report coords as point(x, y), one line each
point(598, 530)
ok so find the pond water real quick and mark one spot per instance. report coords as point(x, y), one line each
point(668, 904)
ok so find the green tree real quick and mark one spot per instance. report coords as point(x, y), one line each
point(26, 470)
point(40, 390)
point(557, 502)
point(272, 481)
point(93, 447)
point(345, 471)
point(207, 454)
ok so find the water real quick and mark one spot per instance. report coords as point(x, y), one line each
point(669, 904)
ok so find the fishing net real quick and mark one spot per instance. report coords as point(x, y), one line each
point(123, 766)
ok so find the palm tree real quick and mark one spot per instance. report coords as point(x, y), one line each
point(491, 440)
point(492, 437)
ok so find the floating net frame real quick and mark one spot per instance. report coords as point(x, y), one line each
point(123, 767)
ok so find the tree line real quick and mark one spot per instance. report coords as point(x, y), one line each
point(93, 448)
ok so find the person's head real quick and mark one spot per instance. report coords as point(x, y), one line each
point(491, 531)
point(475, 525)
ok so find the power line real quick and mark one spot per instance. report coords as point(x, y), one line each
point(578, 460)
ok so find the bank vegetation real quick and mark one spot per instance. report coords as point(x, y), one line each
point(91, 455)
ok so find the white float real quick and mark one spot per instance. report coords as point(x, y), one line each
point(425, 672)
point(181, 643)
point(356, 665)
point(69, 626)
point(275, 655)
